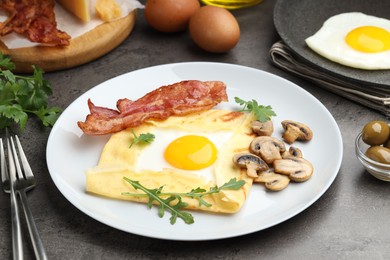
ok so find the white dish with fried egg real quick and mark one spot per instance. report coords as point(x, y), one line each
point(70, 153)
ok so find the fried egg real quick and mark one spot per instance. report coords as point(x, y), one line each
point(354, 39)
point(188, 152)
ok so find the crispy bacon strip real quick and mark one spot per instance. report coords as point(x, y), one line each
point(181, 98)
point(35, 19)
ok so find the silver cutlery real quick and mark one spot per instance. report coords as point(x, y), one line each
point(24, 181)
point(8, 187)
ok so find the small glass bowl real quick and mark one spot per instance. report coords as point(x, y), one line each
point(376, 169)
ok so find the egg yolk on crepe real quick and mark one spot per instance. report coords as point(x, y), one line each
point(222, 134)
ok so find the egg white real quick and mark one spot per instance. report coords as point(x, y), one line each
point(152, 156)
point(330, 43)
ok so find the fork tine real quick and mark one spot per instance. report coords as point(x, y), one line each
point(17, 241)
point(19, 174)
point(11, 161)
point(4, 171)
point(26, 166)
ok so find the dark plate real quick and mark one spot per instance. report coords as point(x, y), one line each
point(295, 20)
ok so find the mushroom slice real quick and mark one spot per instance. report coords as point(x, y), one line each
point(273, 181)
point(297, 169)
point(251, 162)
point(262, 128)
point(296, 131)
point(293, 151)
point(268, 148)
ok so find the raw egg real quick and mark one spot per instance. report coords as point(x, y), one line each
point(170, 15)
point(214, 29)
point(354, 39)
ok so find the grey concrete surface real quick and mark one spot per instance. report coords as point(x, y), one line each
point(350, 221)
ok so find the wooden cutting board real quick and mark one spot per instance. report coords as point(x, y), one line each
point(82, 49)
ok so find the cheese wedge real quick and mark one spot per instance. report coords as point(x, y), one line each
point(106, 10)
point(80, 8)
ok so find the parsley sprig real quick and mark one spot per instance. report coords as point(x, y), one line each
point(24, 95)
point(142, 138)
point(173, 202)
point(262, 113)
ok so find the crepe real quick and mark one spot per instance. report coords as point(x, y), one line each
point(118, 161)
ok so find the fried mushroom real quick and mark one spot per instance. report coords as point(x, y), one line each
point(293, 151)
point(262, 128)
point(296, 131)
point(268, 148)
point(251, 162)
point(297, 169)
point(272, 180)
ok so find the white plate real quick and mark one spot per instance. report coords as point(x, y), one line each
point(70, 153)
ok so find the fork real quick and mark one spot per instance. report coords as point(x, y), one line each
point(8, 187)
point(24, 182)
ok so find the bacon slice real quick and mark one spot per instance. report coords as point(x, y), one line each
point(35, 19)
point(181, 98)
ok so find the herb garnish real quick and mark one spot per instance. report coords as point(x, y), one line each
point(262, 113)
point(23, 95)
point(172, 202)
point(142, 138)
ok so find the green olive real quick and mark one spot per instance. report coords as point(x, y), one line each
point(376, 133)
point(379, 153)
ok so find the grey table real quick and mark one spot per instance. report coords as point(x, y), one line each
point(350, 221)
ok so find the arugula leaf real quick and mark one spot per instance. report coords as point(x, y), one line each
point(24, 95)
point(262, 113)
point(173, 201)
point(142, 138)
point(199, 193)
point(164, 204)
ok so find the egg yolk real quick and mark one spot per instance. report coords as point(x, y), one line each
point(369, 39)
point(191, 152)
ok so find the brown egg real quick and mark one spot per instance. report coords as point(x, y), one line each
point(170, 15)
point(214, 29)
